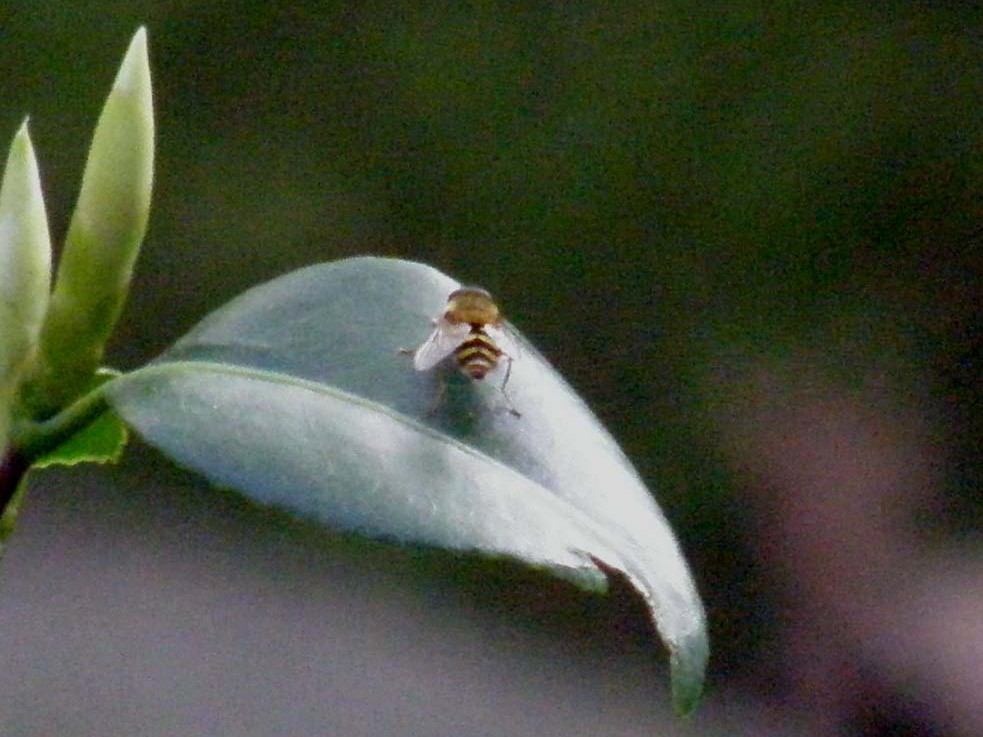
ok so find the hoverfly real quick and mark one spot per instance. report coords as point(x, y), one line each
point(471, 329)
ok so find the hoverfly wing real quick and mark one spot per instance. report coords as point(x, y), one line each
point(502, 337)
point(446, 336)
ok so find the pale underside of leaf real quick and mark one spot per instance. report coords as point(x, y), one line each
point(343, 460)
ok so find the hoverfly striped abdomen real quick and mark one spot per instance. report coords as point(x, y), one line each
point(477, 355)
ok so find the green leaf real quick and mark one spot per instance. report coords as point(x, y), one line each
point(295, 393)
point(85, 432)
point(103, 241)
point(101, 441)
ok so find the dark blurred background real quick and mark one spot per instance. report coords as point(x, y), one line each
point(749, 234)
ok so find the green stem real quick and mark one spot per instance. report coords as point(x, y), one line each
point(12, 470)
point(33, 439)
point(30, 440)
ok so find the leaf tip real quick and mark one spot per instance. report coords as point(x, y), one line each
point(21, 158)
point(134, 72)
point(23, 133)
point(688, 665)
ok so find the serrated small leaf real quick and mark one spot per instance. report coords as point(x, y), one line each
point(101, 441)
point(295, 393)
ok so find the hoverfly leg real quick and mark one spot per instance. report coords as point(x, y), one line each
point(438, 397)
point(412, 351)
point(511, 409)
point(508, 371)
point(508, 400)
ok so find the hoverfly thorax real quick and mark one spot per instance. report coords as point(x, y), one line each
point(473, 306)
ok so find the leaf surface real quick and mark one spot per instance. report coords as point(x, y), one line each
point(295, 393)
point(101, 441)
